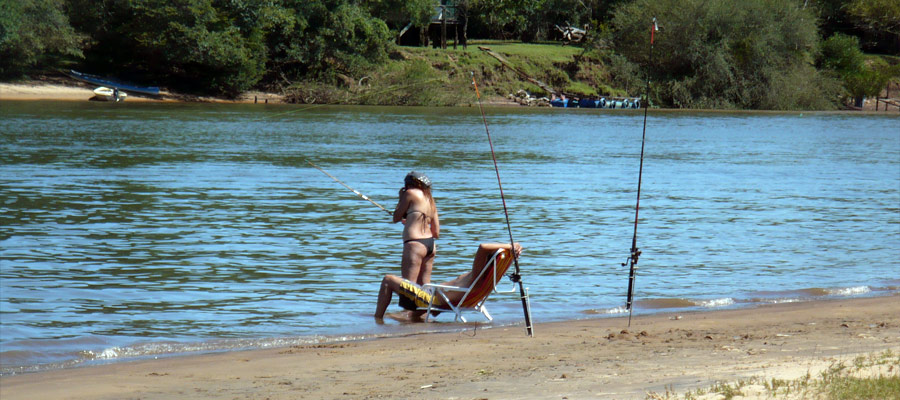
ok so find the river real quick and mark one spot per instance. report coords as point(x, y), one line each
point(134, 230)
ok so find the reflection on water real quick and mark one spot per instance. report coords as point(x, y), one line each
point(132, 230)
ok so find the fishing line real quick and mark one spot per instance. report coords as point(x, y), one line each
point(635, 252)
point(364, 197)
point(516, 277)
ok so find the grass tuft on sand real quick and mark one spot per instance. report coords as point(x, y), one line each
point(871, 377)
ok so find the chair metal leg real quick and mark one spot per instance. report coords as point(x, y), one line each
point(484, 311)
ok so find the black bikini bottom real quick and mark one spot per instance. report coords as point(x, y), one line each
point(428, 242)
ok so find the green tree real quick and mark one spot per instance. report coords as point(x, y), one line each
point(877, 15)
point(502, 19)
point(880, 20)
point(529, 20)
point(318, 39)
point(399, 13)
point(718, 53)
point(842, 55)
point(35, 35)
point(188, 45)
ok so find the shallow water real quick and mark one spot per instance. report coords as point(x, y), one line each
point(136, 230)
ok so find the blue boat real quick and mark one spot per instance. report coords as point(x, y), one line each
point(562, 103)
point(96, 80)
point(587, 103)
point(633, 103)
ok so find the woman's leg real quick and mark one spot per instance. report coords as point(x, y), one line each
point(411, 263)
point(427, 265)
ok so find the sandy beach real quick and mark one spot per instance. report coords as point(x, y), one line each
point(65, 89)
point(593, 358)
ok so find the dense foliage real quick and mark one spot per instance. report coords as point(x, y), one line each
point(35, 34)
point(767, 54)
point(226, 46)
point(723, 54)
point(841, 56)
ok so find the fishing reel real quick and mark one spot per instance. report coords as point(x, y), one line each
point(633, 258)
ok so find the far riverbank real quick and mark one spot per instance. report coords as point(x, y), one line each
point(62, 90)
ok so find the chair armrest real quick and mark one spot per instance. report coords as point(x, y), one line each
point(445, 287)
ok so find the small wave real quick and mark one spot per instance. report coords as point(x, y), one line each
point(775, 300)
point(173, 348)
point(614, 310)
point(167, 349)
point(850, 291)
point(808, 293)
point(664, 303)
point(814, 292)
point(716, 302)
point(846, 291)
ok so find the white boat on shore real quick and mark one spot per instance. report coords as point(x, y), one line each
point(103, 93)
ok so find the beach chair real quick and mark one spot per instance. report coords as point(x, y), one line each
point(475, 295)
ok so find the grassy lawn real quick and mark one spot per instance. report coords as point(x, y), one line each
point(442, 77)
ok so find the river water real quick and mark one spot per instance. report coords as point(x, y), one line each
point(140, 230)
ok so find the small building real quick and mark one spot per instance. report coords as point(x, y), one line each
point(448, 23)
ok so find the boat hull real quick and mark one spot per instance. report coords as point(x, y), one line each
point(110, 83)
point(107, 94)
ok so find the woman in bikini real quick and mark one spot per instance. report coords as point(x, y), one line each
point(420, 228)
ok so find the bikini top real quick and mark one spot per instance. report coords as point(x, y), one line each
point(425, 217)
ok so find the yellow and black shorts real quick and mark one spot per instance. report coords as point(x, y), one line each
point(413, 296)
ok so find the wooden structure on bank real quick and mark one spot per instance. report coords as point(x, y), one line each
point(887, 99)
point(447, 23)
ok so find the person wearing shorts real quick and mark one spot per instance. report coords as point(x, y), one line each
point(417, 297)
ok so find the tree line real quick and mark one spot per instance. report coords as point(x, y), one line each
point(756, 54)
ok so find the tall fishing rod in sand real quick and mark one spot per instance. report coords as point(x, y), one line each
point(515, 277)
point(362, 196)
point(635, 252)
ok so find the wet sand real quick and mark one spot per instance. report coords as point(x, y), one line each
point(592, 358)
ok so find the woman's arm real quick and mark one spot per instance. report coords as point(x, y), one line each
point(402, 206)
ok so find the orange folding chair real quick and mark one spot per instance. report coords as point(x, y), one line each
point(475, 295)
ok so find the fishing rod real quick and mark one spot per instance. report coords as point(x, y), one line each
point(516, 277)
point(364, 197)
point(635, 252)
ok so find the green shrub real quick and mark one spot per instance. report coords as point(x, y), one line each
point(35, 36)
point(715, 53)
point(861, 78)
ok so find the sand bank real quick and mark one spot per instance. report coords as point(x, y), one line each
point(70, 90)
point(44, 91)
point(594, 358)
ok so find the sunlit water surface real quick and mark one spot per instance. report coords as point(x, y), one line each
point(135, 230)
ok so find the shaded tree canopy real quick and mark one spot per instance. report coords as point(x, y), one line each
point(228, 46)
point(35, 34)
point(710, 53)
point(718, 53)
